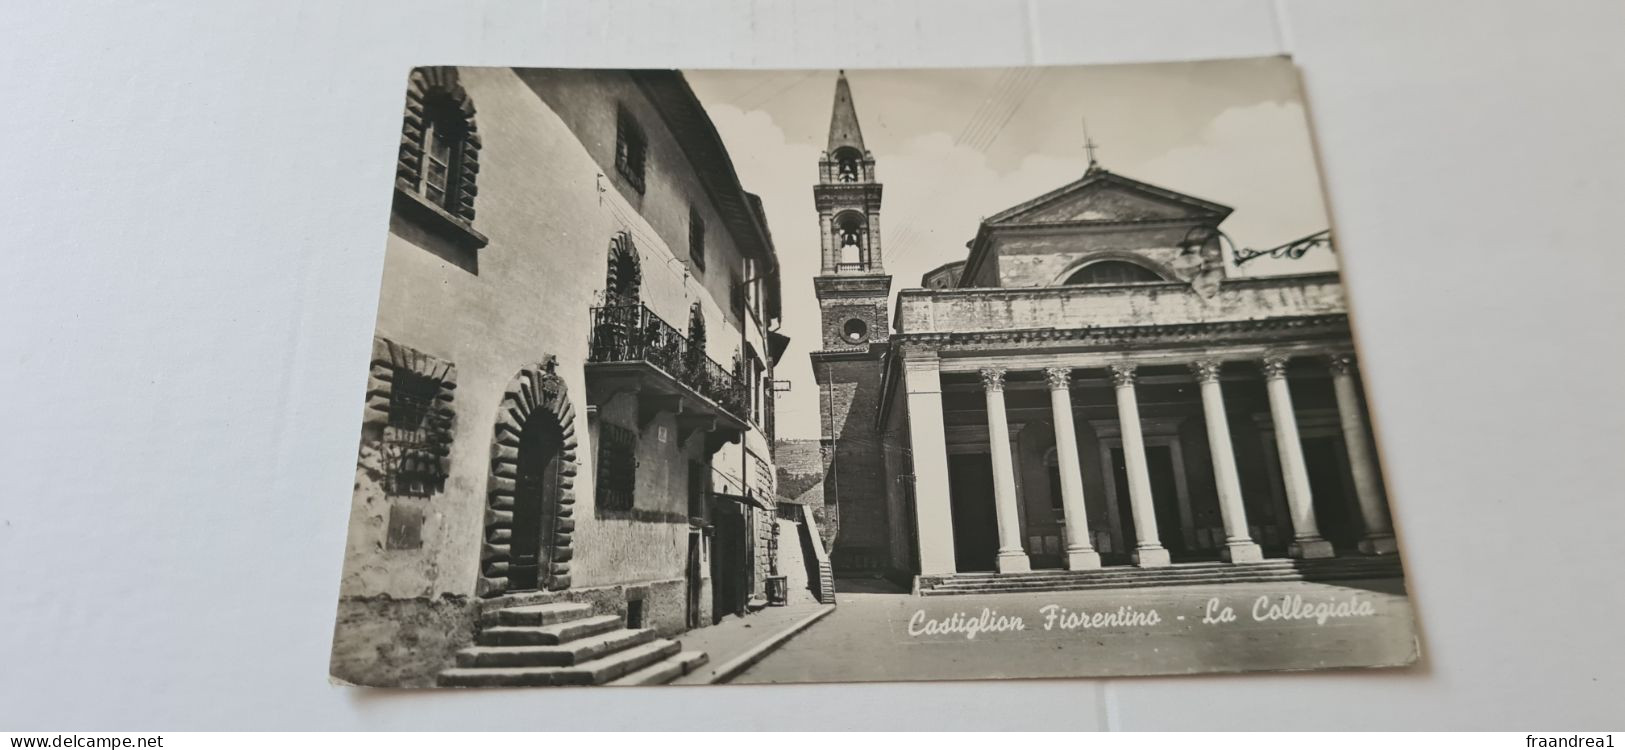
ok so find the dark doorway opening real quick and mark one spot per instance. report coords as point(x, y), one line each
point(696, 542)
point(1165, 502)
point(1159, 462)
point(729, 562)
point(976, 523)
point(1329, 482)
point(1127, 536)
point(536, 503)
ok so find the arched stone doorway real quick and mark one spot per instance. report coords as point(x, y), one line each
point(529, 518)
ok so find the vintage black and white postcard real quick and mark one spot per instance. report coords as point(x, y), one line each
point(786, 376)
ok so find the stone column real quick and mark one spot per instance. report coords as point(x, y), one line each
point(1238, 541)
point(1150, 552)
point(1012, 558)
point(1306, 540)
point(1379, 534)
point(1080, 551)
point(933, 517)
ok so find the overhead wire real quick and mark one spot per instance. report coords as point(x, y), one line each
point(980, 138)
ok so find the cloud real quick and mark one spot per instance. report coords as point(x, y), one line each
point(936, 194)
point(1257, 159)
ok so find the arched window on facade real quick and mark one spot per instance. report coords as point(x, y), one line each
point(625, 273)
point(439, 156)
point(1112, 272)
point(852, 237)
point(694, 360)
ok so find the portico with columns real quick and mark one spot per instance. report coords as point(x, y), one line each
point(1096, 389)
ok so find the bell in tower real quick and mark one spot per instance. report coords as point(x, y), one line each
point(847, 194)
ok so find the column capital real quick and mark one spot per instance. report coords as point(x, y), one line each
point(1059, 378)
point(1275, 366)
point(1123, 374)
point(1340, 363)
point(993, 378)
point(1206, 370)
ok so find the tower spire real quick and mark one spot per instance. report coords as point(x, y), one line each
point(843, 120)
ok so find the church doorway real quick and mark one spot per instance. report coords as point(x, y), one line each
point(536, 503)
point(975, 521)
point(1329, 486)
point(1170, 503)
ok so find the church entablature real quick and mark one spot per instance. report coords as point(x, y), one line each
point(1131, 304)
point(1034, 349)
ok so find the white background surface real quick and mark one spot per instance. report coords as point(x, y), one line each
point(192, 206)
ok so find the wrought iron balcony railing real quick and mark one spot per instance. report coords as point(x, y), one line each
point(633, 333)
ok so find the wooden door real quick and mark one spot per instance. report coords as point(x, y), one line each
point(535, 509)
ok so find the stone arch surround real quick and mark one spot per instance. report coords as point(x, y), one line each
point(537, 392)
point(422, 87)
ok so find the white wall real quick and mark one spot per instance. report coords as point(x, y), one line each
point(194, 210)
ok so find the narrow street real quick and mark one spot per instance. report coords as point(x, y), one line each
point(868, 636)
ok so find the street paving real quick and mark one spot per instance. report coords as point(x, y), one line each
point(1298, 625)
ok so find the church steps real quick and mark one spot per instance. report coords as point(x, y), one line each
point(1194, 568)
point(1194, 574)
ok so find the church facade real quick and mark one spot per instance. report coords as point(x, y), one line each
point(1092, 387)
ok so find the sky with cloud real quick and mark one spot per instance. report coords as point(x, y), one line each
point(954, 146)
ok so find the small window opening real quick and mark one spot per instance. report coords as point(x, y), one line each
point(634, 614)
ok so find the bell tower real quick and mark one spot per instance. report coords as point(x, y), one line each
point(852, 284)
point(853, 291)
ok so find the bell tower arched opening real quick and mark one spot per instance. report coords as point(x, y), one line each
point(852, 242)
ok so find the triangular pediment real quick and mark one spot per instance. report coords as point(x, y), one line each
point(1109, 198)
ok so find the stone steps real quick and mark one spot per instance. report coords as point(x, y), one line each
point(567, 654)
point(547, 635)
point(595, 672)
point(536, 614)
point(534, 643)
point(662, 672)
point(1190, 574)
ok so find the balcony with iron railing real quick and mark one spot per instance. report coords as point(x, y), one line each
point(633, 350)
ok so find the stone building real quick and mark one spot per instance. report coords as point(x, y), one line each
point(1091, 386)
point(568, 428)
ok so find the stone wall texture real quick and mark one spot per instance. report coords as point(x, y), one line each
point(856, 474)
